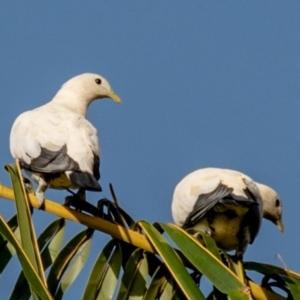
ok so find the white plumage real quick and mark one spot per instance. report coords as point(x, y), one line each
point(226, 204)
point(55, 143)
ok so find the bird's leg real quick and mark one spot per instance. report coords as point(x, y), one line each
point(81, 194)
point(28, 185)
point(205, 226)
point(39, 193)
point(244, 241)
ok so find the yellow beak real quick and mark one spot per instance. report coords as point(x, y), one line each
point(112, 95)
point(280, 225)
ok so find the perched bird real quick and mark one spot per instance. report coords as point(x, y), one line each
point(227, 205)
point(55, 143)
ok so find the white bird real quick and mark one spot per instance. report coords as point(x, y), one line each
point(55, 143)
point(227, 205)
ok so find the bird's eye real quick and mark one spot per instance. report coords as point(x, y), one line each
point(277, 203)
point(98, 80)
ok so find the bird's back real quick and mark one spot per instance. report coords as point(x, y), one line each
point(52, 140)
point(221, 203)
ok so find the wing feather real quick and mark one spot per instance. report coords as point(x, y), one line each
point(205, 202)
point(48, 140)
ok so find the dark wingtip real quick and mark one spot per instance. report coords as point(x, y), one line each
point(86, 181)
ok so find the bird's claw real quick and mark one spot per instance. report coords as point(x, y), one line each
point(83, 206)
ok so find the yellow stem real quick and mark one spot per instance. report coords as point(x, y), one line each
point(128, 236)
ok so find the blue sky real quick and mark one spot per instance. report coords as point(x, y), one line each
point(203, 83)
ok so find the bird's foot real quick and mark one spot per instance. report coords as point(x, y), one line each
point(75, 198)
point(80, 204)
point(208, 231)
point(247, 290)
point(68, 200)
point(81, 195)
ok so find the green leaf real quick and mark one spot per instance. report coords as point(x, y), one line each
point(7, 251)
point(156, 282)
point(220, 276)
point(49, 241)
point(173, 262)
point(28, 238)
point(168, 287)
point(177, 293)
point(104, 275)
point(35, 281)
point(208, 241)
point(110, 275)
point(72, 272)
point(133, 282)
point(162, 286)
point(138, 286)
point(64, 258)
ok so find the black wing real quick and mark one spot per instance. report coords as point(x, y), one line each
point(225, 195)
point(86, 180)
point(205, 202)
point(254, 216)
point(59, 161)
point(51, 161)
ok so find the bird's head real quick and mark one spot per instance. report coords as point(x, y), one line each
point(272, 205)
point(90, 87)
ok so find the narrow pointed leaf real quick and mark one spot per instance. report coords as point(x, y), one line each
point(35, 281)
point(133, 281)
point(156, 283)
point(111, 275)
point(208, 241)
point(64, 258)
point(163, 286)
point(177, 293)
point(172, 261)
point(49, 232)
point(49, 241)
point(28, 237)
point(7, 251)
point(220, 276)
point(98, 271)
point(138, 286)
point(73, 271)
point(167, 288)
point(52, 244)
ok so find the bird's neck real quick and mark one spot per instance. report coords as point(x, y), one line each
point(267, 204)
point(72, 101)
